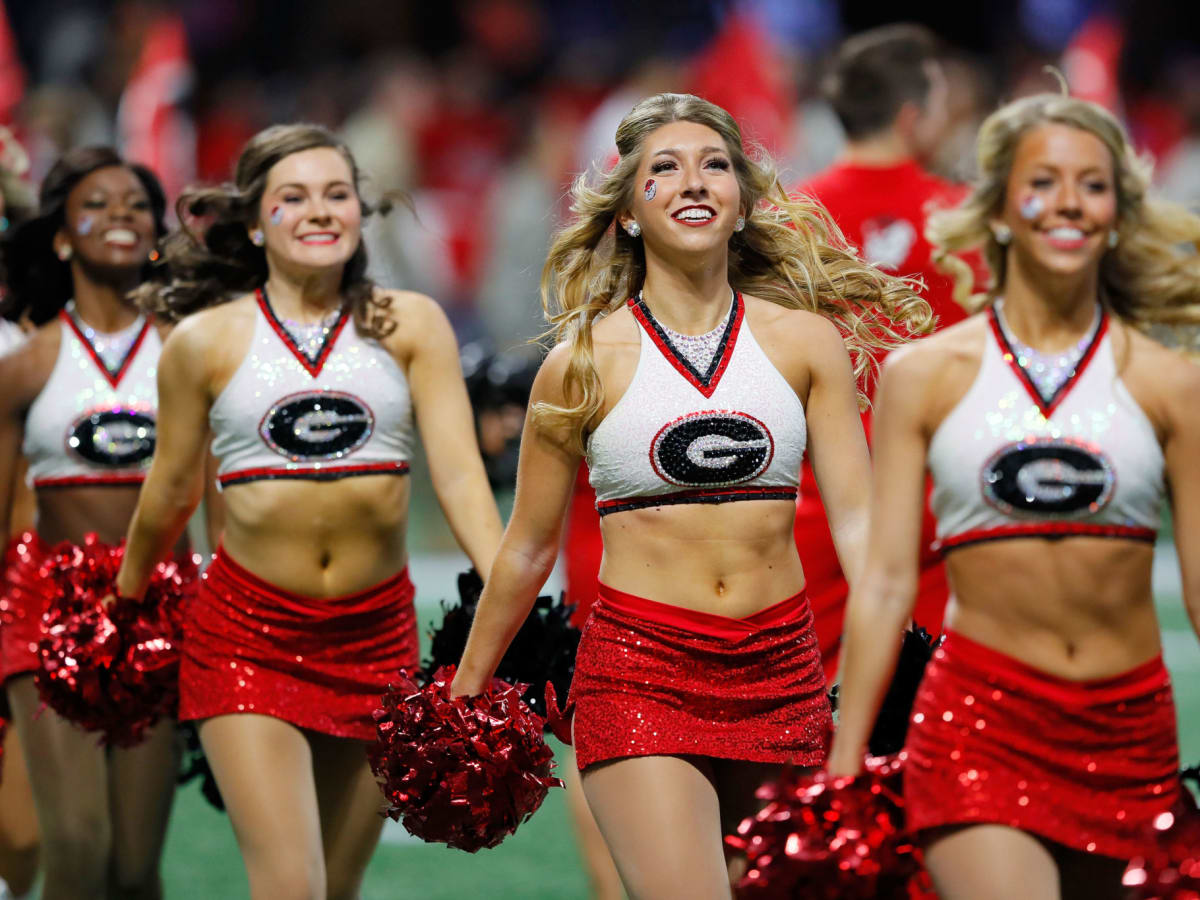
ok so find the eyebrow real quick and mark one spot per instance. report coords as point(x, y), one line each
point(304, 187)
point(1088, 171)
point(672, 151)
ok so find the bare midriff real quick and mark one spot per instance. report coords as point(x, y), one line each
point(1079, 608)
point(728, 559)
point(319, 539)
point(70, 513)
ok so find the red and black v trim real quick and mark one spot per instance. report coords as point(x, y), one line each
point(705, 383)
point(113, 376)
point(1047, 405)
point(312, 365)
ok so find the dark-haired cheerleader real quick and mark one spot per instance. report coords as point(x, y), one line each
point(1042, 743)
point(310, 380)
point(80, 405)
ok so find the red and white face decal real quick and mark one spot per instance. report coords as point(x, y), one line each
point(649, 190)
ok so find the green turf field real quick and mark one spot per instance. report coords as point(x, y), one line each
point(541, 860)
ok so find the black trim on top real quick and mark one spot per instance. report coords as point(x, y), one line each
point(330, 474)
point(729, 495)
point(312, 364)
point(707, 379)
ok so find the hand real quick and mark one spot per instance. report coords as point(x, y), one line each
point(463, 686)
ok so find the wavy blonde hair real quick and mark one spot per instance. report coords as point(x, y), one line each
point(790, 253)
point(1149, 280)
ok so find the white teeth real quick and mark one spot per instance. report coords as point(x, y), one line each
point(695, 215)
point(318, 238)
point(1066, 234)
point(120, 236)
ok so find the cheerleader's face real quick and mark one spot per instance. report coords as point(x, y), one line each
point(310, 214)
point(687, 197)
point(109, 222)
point(1061, 199)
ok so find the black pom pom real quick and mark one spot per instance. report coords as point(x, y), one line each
point(543, 650)
point(195, 765)
point(891, 726)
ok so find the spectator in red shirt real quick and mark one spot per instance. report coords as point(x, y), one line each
point(889, 93)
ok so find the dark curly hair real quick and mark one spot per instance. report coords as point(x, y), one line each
point(203, 270)
point(39, 283)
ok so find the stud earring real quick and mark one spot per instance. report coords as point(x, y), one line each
point(740, 223)
point(256, 237)
point(634, 229)
point(64, 252)
point(1114, 238)
point(1003, 234)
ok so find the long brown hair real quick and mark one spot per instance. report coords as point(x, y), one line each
point(222, 263)
point(790, 253)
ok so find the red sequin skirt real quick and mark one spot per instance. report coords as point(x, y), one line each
point(23, 598)
point(321, 664)
point(653, 679)
point(1086, 764)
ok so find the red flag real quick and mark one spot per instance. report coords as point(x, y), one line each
point(742, 72)
point(154, 129)
point(1090, 62)
point(12, 75)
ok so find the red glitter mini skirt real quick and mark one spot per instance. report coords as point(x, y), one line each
point(1087, 764)
point(23, 599)
point(320, 664)
point(653, 679)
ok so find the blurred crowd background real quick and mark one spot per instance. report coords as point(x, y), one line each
point(484, 110)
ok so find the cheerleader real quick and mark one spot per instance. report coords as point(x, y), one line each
point(310, 380)
point(79, 406)
point(703, 345)
point(1042, 743)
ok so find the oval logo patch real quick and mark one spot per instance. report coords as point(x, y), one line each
point(1048, 477)
point(317, 425)
point(712, 449)
point(113, 438)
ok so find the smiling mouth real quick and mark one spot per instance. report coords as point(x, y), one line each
point(694, 216)
point(1066, 237)
point(322, 237)
point(121, 237)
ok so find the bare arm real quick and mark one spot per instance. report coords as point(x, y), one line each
point(24, 373)
point(447, 427)
point(1182, 451)
point(214, 505)
point(882, 600)
point(838, 448)
point(545, 479)
point(175, 483)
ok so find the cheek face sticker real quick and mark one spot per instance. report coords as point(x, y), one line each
point(84, 225)
point(650, 189)
point(276, 215)
point(1031, 207)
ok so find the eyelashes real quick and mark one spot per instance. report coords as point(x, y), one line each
point(667, 165)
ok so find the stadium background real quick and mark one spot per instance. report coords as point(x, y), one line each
point(482, 111)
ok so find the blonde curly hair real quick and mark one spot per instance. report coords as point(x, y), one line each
point(790, 253)
point(1150, 279)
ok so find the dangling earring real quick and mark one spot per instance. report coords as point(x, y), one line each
point(634, 229)
point(1114, 238)
point(1002, 233)
point(256, 237)
point(64, 252)
point(740, 223)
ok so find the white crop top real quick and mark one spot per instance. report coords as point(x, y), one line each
point(1006, 463)
point(343, 412)
point(92, 424)
point(735, 432)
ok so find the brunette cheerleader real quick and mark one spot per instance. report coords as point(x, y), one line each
point(80, 406)
point(1043, 740)
point(703, 345)
point(310, 380)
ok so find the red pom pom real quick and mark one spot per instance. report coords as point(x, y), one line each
point(464, 771)
point(822, 837)
point(114, 670)
point(1171, 871)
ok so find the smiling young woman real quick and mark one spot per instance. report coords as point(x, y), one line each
point(1043, 738)
point(79, 404)
point(706, 326)
point(309, 379)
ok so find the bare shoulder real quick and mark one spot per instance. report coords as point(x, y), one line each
point(25, 370)
point(616, 329)
point(1163, 381)
point(771, 322)
point(216, 326)
point(417, 318)
point(951, 350)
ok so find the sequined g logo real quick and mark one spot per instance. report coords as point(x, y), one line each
point(711, 449)
point(113, 438)
point(317, 425)
point(1048, 477)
